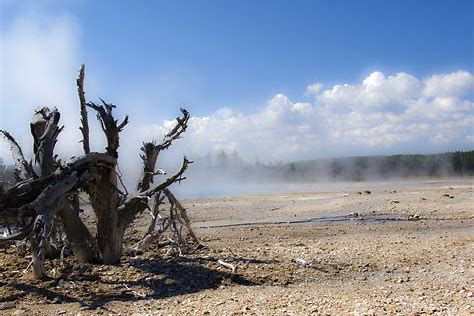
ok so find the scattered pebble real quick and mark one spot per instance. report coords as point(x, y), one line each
point(20, 312)
point(7, 305)
point(56, 300)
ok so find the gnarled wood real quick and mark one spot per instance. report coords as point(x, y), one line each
point(46, 206)
point(109, 125)
point(84, 128)
point(45, 130)
point(151, 150)
point(182, 213)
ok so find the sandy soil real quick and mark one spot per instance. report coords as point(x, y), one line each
point(398, 250)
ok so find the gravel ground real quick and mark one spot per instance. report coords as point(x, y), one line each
point(403, 250)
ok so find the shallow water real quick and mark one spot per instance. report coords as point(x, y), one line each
point(325, 220)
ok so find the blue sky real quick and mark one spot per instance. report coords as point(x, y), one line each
point(234, 60)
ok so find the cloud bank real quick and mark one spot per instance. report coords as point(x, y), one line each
point(382, 114)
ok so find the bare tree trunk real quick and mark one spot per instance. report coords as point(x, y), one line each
point(103, 196)
point(79, 238)
point(103, 192)
point(45, 130)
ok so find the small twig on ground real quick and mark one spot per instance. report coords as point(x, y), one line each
point(28, 267)
point(228, 265)
point(134, 292)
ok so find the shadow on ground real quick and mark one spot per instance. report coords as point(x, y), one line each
point(152, 279)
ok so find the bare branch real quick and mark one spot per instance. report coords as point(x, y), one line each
point(129, 210)
point(109, 125)
point(156, 210)
point(84, 120)
point(177, 130)
point(139, 203)
point(182, 212)
point(151, 150)
point(23, 169)
point(149, 157)
point(170, 180)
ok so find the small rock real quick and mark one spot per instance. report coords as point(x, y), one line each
point(57, 300)
point(7, 305)
point(19, 312)
point(414, 217)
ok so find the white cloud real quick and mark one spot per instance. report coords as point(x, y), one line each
point(376, 93)
point(458, 83)
point(380, 114)
point(314, 88)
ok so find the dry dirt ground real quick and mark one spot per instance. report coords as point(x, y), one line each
point(402, 250)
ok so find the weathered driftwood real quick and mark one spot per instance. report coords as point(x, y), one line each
point(46, 207)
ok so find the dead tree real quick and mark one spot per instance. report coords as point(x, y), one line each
point(44, 206)
point(176, 216)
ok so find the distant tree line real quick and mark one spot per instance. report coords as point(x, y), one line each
point(232, 166)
